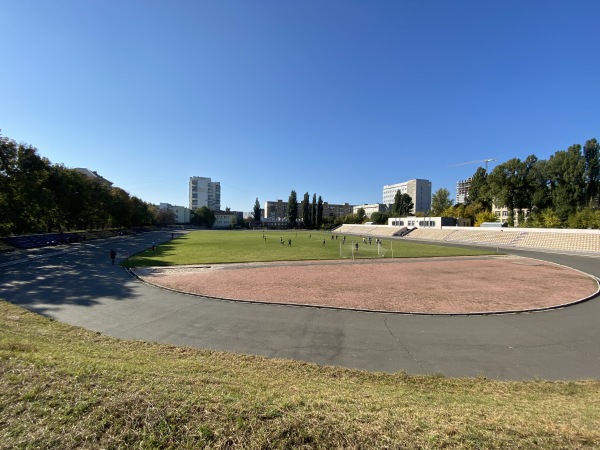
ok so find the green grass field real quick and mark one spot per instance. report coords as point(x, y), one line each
point(63, 387)
point(212, 247)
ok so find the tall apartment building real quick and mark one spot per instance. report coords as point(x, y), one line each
point(337, 210)
point(204, 192)
point(419, 191)
point(277, 209)
point(462, 190)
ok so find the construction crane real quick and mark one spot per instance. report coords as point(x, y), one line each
point(486, 161)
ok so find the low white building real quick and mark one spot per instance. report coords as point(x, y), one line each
point(182, 214)
point(502, 213)
point(225, 219)
point(428, 222)
point(275, 223)
point(370, 208)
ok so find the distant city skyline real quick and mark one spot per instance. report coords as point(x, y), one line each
point(337, 98)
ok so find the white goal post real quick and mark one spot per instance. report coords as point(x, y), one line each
point(357, 248)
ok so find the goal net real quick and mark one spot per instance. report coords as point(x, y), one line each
point(354, 247)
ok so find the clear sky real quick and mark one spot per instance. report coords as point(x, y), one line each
point(336, 98)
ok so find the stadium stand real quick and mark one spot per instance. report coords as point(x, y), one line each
point(587, 241)
point(484, 237)
point(563, 240)
point(369, 230)
point(431, 234)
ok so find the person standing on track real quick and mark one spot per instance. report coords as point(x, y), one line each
point(113, 255)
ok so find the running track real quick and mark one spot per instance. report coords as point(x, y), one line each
point(82, 288)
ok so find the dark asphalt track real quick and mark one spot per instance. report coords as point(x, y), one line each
point(82, 288)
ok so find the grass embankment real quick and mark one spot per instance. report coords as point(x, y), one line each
point(212, 247)
point(65, 387)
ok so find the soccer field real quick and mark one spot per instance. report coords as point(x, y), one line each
point(212, 247)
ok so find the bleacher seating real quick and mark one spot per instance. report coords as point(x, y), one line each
point(562, 241)
point(579, 242)
point(484, 237)
point(369, 230)
point(432, 234)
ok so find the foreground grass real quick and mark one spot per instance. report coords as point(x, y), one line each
point(211, 247)
point(65, 387)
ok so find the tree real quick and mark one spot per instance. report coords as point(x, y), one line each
point(97, 195)
point(204, 217)
point(25, 199)
point(550, 219)
point(8, 156)
point(292, 209)
point(65, 186)
point(349, 218)
point(479, 189)
point(319, 213)
point(165, 216)
point(360, 215)
point(591, 153)
point(330, 222)
point(472, 209)
point(440, 201)
point(403, 204)
point(379, 218)
point(565, 171)
point(509, 185)
point(306, 211)
point(313, 211)
point(448, 212)
point(458, 210)
point(540, 187)
point(120, 208)
point(484, 216)
point(142, 213)
point(36, 195)
point(256, 210)
point(585, 218)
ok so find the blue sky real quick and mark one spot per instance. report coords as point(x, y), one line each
point(336, 98)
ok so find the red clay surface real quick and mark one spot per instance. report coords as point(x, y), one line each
point(433, 285)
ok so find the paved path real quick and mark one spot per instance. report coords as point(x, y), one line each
point(82, 288)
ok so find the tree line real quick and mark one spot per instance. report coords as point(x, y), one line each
point(562, 191)
point(311, 212)
point(38, 196)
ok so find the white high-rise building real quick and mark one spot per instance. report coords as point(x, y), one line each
point(419, 191)
point(204, 192)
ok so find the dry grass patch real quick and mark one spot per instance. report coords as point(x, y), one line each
point(65, 387)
